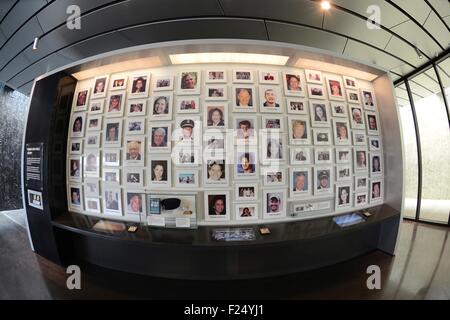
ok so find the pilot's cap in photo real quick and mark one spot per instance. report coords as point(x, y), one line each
point(323, 174)
point(187, 123)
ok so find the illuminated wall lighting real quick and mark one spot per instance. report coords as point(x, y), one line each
point(325, 5)
point(228, 57)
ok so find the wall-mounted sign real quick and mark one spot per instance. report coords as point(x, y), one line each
point(35, 199)
point(34, 162)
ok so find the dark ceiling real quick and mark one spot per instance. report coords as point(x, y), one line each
point(109, 25)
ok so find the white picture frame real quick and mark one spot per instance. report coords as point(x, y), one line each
point(112, 133)
point(186, 156)
point(217, 205)
point(75, 168)
point(215, 143)
point(245, 130)
point(335, 88)
point(133, 177)
point(353, 97)
point(92, 140)
point(272, 122)
point(323, 180)
point(376, 164)
point(115, 104)
point(81, 99)
point(215, 172)
point(111, 157)
point(343, 196)
point(75, 197)
point(245, 98)
point(293, 84)
point(273, 147)
point(94, 123)
point(216, 76)
point(343, 155)
point(341, 132)
point(78, 124)
point(376, 197)
point(92, 205)
point(343, 172)
point(76, 146)
point(273, 176)
point(299, 130)
point(300, 185)
point(361, 199)
point(297, 106)
point(357, 117)
point(159, 172)
point(323, 155)
point(246, 211)
point(161, 106)
point(361, 159)
point(375, 143)
point(339, 109)
point(216, 92)
point(274, 203)
point(300, 155)
point(135, 125)
point(118, 82)
point(112, 201)
point(270, 99)
point(313, 76)
point(160, 137)
point(361, 182)
point(111, 176)
point(189, 82)
point(91, 163)
point(188, 104)
point(316, 91)
point(96, 106)
point(322, 137)
point(320, 115)
point(188, 130)
point(134, 151)
point(187, 179)
point(215, 115)
point(246, 191)
point(350, 83)
point(359, 138)
point(91, 188)
point(246, 163)
point(135, 202)
point(139, 85)
point(372, 123)
point(269, 77)
point(163, 83)
point(100, 87)
point(368, 99)
point(243, 76)
point(136, 107)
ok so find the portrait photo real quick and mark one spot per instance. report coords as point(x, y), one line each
point(111, 157)
point(93, 140)
point(361, 199)
point(134, 177)
point(216, 76)
point(77, 124)
point(112, 133)
point(136, 107)
point(244, 98)
point(81, 99)
point(189, 82)
point(118, 82)
point(139, 86)
point(313, 76)
point(343, 173)
point(319, 114)
point(297, 106)
point(115, 104)
point(246, 191)
point(160, 174)
point(75, 168)
point(372, 123)
point(75, 197)
point(186, 178)
point(270, 99)
point(246, 211)
point(299, 132)
point(91, 188)
point(162, 83)
point(343, 155)
point(361, 182)
point(217, 205)
point(246, 163)
point(323, 181)
point(188, 105)
point(322, 155)
point(92, 163)
point(338, 109)
point(216, 115)
point(96, 106)
point(341, 132)
point(361, 159)
point(273, 147)
point(374, 144)
point(100, 86)
point(269, 77)
point(349, 82)
point(376, 191)
point(274, 203)
point(357, 117)
point(243, 76)
point(215, 172)
point(335, 90)
point(214, 144)
point(112, 201)
point(94, 123)
point(93, 205)
point(300, 182)
point(160, 137)
point(343, 196)
point(135, 126)
point(316, 91)
point(271, 122)
point(273, 176)
point(352, 96)
point(76, 146)
point(188, 130)
point(135, 151)
point(376, 168)
point(161, 107)
point(359, 138)
point(135, 203)
point(293, 85)
point(111, 176)
point(300, 155)
point(322, 136)
point(245, 129)
point(368, 99)
point(216, 92)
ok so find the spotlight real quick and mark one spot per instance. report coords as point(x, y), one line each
point(325, 5)
point(419, 53)
point(35, 43)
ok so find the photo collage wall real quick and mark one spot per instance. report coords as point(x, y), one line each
point(223, 145)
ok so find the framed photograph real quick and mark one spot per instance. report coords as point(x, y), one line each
point(297, 106)
point(96, 106)
point(293, 85)
point(343, 155)
point(320, 116)
point(93, 140)
point(160, 137)
point(316, 91)
point(246, 191)
point(100, 86)
point(353, 97)
point(118, 82)
point(112, 136)
point(246, 211)
point(361, 182)
point(135, 126)
point(214, 144)
point(300, 155)
point(216, 115)
point(91, 188)
point(373, 125)
point(189, 82)
point(76, 146)
point(162, 83)
point(216, 76)
point(322, 156)
point(111, 157)
point(360, 156)
point(217, 205)
point(188, 104)
point(246, 163)
point(300, 185)
point(134, 151)
point(272, 122)
point(322, 136)
point(243, 76)
point(188, 130)
point(75, 197)
point(323, 181)
point(115, 103)
point(133, 177)
point(93, 205)
point(161, 107)
point(341, 132)
point(215, 172)
point(350, 83)
point(92, 163)
point(244, 98)
point(216, 92)
point(376, 168)
point(299, 131)
point(270, 99)
point(186, 178)
point(313, 76)
point(273, 147)
point(273, 176)
point(135, 203)
point(112, 201)
point(343, 172)
point(111, 176)
point(343, 196)
point(75, 168)
point(374, 144)
point(274, 203)
point(245, 130)
point(357, 117)
point(160, 173)
point(139, 86)
point(94, 123)
point(81, 99)
point(359, 138)
point(376, 191)
point(338, 109)
point(361, 199)
point(77, 124)
point(185, 155)
point(368, 99)
point(335, 88)
point(269, 77)
point(137, 107)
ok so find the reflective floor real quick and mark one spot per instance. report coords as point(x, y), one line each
point(420, 270)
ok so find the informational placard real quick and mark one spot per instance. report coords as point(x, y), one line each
point(35, 199)
point(34, 162)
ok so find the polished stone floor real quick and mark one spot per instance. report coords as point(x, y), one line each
point(420, 270)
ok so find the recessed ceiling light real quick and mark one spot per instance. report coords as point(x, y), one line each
point(35, 43)
point(325, 5)
point(228, 57)
point(419, 53)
